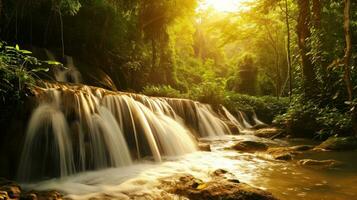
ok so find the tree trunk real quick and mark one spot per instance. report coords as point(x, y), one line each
point(348, 49)
point(154, 54)
point(316, 13)
point(303, 32)
point(288, 51)
point(347, 60)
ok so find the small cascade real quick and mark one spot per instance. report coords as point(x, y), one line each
point(209, 123)
point(78, 128)
point(67, 74)
point(242, 122)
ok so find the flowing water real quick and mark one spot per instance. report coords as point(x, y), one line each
point(90, 142)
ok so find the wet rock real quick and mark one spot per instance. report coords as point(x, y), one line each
point(221, 173)
point(302, 148)
point(186, 185)
point(260, 126)
point(4, 196)
point(13, 191)
point(49, 195)
point(204, 147)
point(286, 157)
point(320, 164)
point(29, 196)
point(339, 144)
point(268, 132)
point(287, 153)
point(11, 188)
point(250, 146)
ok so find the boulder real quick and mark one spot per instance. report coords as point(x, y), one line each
point(302, 147)
point(267, 132)
point(218, 188)
point(287, 153)
point(204, 147)
point(29, 196)
point(339, 144)
point(249, 146)
point(12, 189)
point(320, 164)
point(260, 126)
point(48, 195)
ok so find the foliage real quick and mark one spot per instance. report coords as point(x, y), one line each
point(162, 91)
point(307, 118)
point(266, 107)
point(18, 71)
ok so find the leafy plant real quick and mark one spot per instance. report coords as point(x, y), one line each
point(18, 71)
point(162, 91)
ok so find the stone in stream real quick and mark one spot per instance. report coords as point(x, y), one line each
point(250, 146)
point(3, 195)
point(268, 132)
point(218, 188)
point(204, 147)
point(320, 164)
point(10, 188)
point(338, 144)
point(287, 153)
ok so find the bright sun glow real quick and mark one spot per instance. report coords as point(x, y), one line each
point(225, 5)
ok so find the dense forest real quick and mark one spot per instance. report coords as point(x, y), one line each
point(290, 63)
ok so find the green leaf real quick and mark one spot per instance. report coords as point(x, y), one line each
point(40, 70)
point(51, 62)
point(17, 47)
point(25, 51)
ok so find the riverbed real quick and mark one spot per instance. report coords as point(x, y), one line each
point(285, 179)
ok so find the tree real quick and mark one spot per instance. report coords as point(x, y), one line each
point(303, 33)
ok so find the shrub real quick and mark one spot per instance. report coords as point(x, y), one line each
point(305, 118)
point(18, 70)
point(162, 91)
point(266, 107)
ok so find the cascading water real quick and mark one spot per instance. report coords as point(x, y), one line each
point(80, 128)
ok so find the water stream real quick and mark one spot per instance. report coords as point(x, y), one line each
point(90, 142)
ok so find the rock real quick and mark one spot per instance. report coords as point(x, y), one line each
point(267, 132)
point(186, 185)
point(339, 144)
point(11, 188)
point(260, 126)
point(29, 196)
point(302, 147)
point(49, 195)
point(13, 191)
point(221, 173)
point(320, 164)
point(286, 157)
point(287, 153)
point(3, 195)
point(204, 147)
point(250, 146)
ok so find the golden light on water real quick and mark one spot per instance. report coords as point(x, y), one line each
point(225, 5)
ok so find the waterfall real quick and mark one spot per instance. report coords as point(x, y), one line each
point(78, 128)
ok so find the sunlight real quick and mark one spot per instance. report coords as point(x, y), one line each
point(225, 5)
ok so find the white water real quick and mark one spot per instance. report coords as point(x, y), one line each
point(80, 128)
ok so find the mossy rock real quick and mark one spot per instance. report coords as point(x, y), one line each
point(339, 144)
